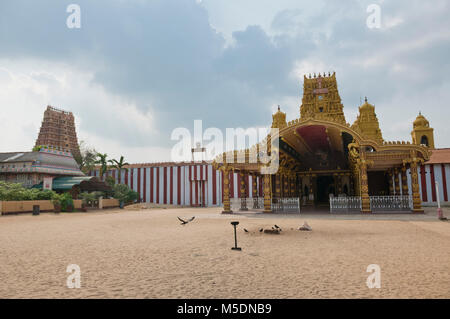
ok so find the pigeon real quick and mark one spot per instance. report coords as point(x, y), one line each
point(305, 227)
point(246, 230)
point(276, 226)
point(261, 230)
point(184, 222)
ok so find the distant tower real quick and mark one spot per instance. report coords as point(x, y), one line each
point(58, 130)
point(367, 122)
point(279, 119)
point(422, 133)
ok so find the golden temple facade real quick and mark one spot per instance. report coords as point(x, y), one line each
point(321, 156)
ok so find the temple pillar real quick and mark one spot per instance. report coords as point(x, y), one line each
point(405, 189)
point(364, 185)
point(226, 192)
point(292, 193)
point(417, 202)
point(391, 183)
point(311, 189)
point(285, 186)
point(397, 182)
point(243, 192)
point(255, 191)
point(267, 194)
point(277, 186)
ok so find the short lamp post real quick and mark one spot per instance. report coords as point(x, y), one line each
point(235, 237)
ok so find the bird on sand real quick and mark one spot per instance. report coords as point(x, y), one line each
point(184, 222)
point(246, 230)
point(276, 226)
point(261, 230)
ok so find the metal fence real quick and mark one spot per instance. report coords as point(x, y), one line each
point(279, 205)
point(377, 203)
point(286, 205)
point(345, 204)
point(256, 203)
point(391, 203)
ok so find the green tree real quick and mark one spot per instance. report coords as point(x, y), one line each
point(103, 162)
point(119, 165)
point(87, 159)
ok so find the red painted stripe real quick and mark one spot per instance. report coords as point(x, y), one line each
point(195, 172)
point(139, 183)
point(190, 186)
point(444, 181)
point(171, 185)
point(179, 185)
point(214, 187)
point(204, 185)
point(132, 179)
point(165, 186)
point(126, 177)
point(152, 185)
point(221, 174)
point(145, 185)
point(157, 185)
point(433, 184)
point(424, 184)
point(231, 179)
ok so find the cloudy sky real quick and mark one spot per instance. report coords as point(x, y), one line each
point(137, 69)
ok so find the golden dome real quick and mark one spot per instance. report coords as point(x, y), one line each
point(421, 121)
point(279, 119)
point(367, 106)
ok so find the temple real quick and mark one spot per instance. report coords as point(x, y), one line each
point(58, 130)
point(326, 162)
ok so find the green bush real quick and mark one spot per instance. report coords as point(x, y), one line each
point(124, 194)
point(16, 192)
point(64, 200)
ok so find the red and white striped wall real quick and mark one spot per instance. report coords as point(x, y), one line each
point(429, 174)
point(185, 184)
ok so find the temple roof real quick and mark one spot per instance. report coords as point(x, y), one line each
point(440, 156)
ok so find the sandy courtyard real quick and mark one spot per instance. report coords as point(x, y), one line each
point(148, 254)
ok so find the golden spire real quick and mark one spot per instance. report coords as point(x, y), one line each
point(279, 119)
point(367, 122)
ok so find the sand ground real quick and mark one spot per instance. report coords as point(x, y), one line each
point(148, 254)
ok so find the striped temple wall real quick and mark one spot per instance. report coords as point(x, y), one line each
point(197, 184)
point(181, 184)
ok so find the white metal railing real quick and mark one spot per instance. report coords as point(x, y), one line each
point(391, 203)
point(255, 203)
point(286, 205)
point(345, 204)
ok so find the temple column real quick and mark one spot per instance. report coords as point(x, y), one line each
point(267, 194)
point(255, 191)
point(364, 182)
point(397, 182)
point(285, 186)
point(226, 192)
point(292, 194)
point(391, 183)
point(417, 202)
point(405, 189)
point(277, 186)
point(243, 192)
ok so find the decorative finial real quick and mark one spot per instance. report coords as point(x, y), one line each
point(365, 99)
point(279, 108)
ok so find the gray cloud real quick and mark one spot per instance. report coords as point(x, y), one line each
point(166, 58)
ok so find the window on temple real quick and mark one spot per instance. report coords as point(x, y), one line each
point(424, 140)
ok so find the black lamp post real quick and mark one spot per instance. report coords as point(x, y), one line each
point(235, 237)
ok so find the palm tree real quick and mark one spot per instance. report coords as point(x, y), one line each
point(101, 159)
point(119, 165)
